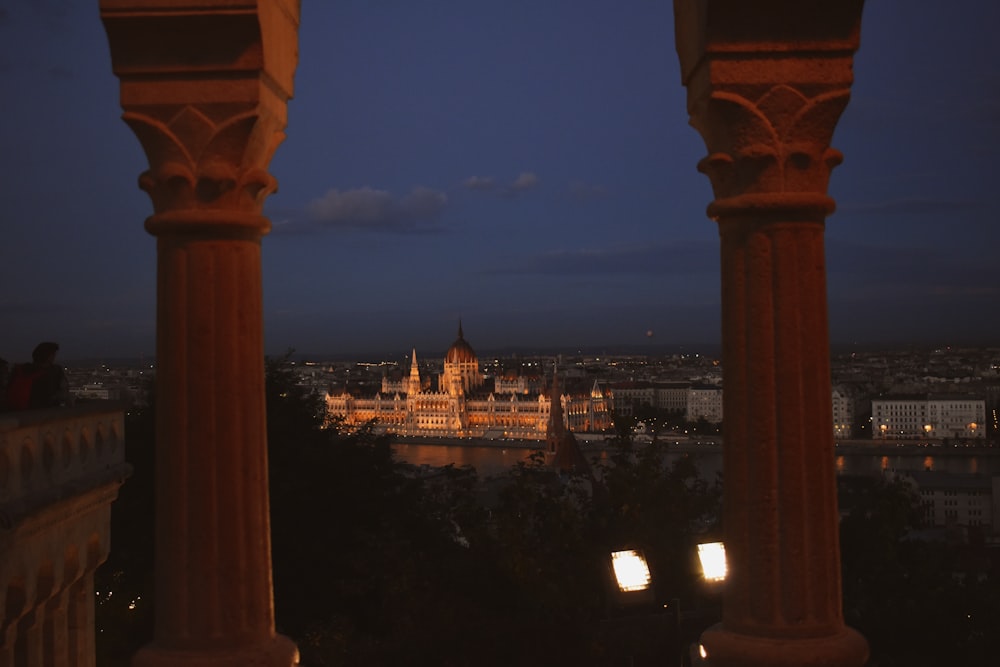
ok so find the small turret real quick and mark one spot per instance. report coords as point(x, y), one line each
point(413, 385)
point(560, 442)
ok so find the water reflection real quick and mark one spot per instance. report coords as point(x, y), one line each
point(486, 460)
point(496, 460)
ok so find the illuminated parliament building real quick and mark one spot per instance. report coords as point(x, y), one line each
point(463, 405)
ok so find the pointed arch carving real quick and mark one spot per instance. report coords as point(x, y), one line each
point(201, 164)
point(778, 142)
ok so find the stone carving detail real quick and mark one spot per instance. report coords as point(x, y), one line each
point(778, 143)
point(198, 162)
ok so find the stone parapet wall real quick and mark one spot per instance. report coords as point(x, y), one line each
point(60, 470)
point(42, 450)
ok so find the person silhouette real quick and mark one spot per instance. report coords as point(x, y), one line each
point(39, 384)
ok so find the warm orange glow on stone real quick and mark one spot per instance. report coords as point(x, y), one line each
point(204, 86)
point(766, 102)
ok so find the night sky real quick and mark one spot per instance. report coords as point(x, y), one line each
point(524, 165)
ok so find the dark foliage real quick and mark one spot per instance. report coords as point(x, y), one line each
point(376, 562)
point(124, 583)
point(918, 602)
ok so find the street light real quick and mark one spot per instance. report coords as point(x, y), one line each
point(631, 586)
point(635, 621)
point(631, 571)
point(632, 583)
point(712, 556)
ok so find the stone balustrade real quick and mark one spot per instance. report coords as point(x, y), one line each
point(60, 470)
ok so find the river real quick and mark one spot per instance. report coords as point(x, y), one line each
point(492, 460)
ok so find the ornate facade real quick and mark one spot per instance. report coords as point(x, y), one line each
point(462, 407)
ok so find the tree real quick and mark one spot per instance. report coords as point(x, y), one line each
point(376, 562)
point(123, 615)
point(906, 595)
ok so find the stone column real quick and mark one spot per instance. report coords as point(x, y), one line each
point(80, 621)
point(30, 646)
point(204, 86)
point(767, 82)
point(56, 630)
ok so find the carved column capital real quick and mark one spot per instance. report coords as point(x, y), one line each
point(767, 82)
point(205, 86)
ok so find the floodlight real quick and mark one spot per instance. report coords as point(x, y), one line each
point(713, 560)
point(630, 570)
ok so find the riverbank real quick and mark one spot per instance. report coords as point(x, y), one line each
point(433, 440)
point(590, 444)
point(928, 448)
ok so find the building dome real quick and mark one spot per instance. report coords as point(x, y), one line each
point(460, 351)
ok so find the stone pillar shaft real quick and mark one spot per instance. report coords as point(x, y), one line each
point(215, 588)
point(779, 443)
point(766, 84)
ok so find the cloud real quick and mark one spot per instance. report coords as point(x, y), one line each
point(485, 183)
point(587, 191)
point(526, 180)
point(378, 210)
point(907, 206)
point(691, 258)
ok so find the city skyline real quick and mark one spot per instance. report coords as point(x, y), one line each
point(528, 169)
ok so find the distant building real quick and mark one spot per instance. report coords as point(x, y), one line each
point(935, 417)
point(523, 380)
point(704, 403)
point(843, 414)
point(630, 396)
point(672, 396)
point(96, 392)
point(462, 405)
point(956, 500)
point(693, 401)
point(698, 401)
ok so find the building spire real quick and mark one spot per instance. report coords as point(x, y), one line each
point(563, 450)
point(556, 426)
point(460, 336)
point(413, 386)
